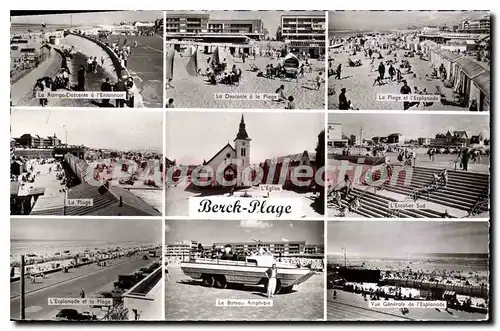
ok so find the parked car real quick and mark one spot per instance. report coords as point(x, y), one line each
point(87, 316)
point(68, 315)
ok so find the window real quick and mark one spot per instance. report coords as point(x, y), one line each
point(243, 152)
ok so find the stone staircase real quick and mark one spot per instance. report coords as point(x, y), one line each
point(465, 191)
point(376, 206)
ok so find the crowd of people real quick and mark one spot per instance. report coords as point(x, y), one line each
point(123, 51)
point(390, 65)
point(228, 254)
point(218, 73)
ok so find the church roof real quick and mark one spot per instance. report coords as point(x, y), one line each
point(215, 155)
point(242, 132)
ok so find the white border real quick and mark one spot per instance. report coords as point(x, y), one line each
point(224, 5)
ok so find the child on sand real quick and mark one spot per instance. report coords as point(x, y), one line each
point(290, 104)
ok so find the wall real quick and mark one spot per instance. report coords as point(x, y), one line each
point(23, 88)
point(116, 63)
point(369, 160)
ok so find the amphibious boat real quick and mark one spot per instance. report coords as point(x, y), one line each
point(252, 271)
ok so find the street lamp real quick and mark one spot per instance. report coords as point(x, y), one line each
point(345, 257)
point(66, 134)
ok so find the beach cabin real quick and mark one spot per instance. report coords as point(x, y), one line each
point(16, 168)
point(449, 60)
point(480, 91)
point(45, 52)
point(53, 40)
point(466, 71)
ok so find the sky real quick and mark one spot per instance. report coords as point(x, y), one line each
point(194, 137)
point(410, 125)
point(379, 20)
point(118, 230)
point(99, 18)
point(106, 129)
point(391, 239)
point(270, 19)
point(210, 231)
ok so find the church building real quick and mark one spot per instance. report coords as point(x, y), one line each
point(232, 160)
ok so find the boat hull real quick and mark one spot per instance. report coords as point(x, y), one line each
point(249, 275)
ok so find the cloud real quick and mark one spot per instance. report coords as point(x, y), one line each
point(255, 224)
point(290, 225)
point(167, 228)
point(284, 239)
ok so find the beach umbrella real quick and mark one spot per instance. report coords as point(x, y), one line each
point(170, 63)
point(201, 61)
point(215, 59)
point(175, 65)
point(192, 66)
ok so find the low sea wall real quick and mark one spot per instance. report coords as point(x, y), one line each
point(114, 58)
point(359, 159)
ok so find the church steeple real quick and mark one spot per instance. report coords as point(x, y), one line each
point(242, 132)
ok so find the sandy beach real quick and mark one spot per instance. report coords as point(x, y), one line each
point(472, 271)
point(43, 255)
point(186, 299)
point(195, 92)
point(359, 82)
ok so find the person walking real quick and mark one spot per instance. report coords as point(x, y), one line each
point(405, 89)
point(106, 87)
point(81, 79)
point(381, 71)
point(120, 87)
point(271, 274)
point(465, 159)
point(339, 71)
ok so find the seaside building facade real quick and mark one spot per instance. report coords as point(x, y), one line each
point(253, 29)
point(481, 25)
point(193, 23)
point(335, 138)
point(180, 248)
point(186, 23)
point(283, 248)
point(183, 248)
point(457, 139)
point(35, 141)
point(304, 34)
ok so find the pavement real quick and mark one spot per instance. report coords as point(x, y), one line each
point(45, 179)
point(352, 307)
point(177, 200)
point(359, 83)
point(21, 92)
point(91, 278)
point(441, 162)
point(187, 299)
point(145, 65)
point(195, 92)
point(84, 49)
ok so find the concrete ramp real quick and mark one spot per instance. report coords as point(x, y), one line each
point(21, 92)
